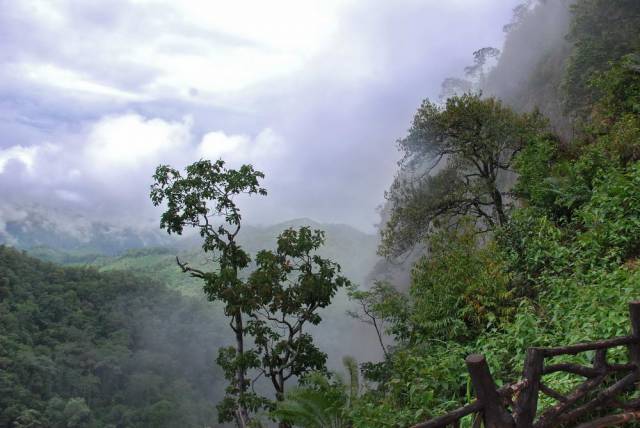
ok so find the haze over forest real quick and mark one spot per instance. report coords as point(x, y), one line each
point(307, 214)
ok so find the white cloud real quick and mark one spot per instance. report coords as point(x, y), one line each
point(217, 144)
point(311, 92)
point(130, 141)
point(261, 151)
point(284, 25)
point(68, 195)
point(109, 164)
point(24, 155)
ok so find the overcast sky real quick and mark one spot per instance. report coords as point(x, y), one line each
point(95, 94)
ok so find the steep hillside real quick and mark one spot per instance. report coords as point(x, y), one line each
point(562, 265)
point(530, 71)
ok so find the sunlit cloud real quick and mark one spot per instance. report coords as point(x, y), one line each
point(132, 141)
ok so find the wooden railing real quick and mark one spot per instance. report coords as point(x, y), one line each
point(515, 405)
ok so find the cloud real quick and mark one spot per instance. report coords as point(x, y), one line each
point(156, 49)
point(106, 169)
point(70, 81)
point(131, 141)
point(94, 95)
point(24, 155)
point(262, 150)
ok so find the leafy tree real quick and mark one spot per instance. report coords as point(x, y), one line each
point(29, 418)
point(289, 285)
point(480, 59)
point(475, 73)
point(619, 87)
point(454, 157)
point(77, 413)
point(206, 192)
point(272, 304)
point(458, 290)
point(385, 309)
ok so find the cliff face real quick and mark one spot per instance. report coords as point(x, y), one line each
point(530, 70)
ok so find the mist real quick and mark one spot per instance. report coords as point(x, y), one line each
point(94, 97)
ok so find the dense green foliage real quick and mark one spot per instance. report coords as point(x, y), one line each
point(320, 402)
point(602, 31)
point(559, 269)
point(80, 349)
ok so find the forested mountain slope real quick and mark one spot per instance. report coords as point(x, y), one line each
point(547, 257)
point(141, 337)
point(81, 348)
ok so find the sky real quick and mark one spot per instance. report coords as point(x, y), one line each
point(314, 93)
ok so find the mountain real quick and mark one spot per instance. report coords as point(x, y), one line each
point(83, 348)
point(71, 238)
point(150, 251)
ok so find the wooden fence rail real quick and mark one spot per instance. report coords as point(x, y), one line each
point(515, 405)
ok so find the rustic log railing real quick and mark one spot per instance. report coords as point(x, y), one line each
point(515, 405)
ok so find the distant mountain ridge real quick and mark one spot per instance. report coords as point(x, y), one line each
point(31, 227)
point(150, 251)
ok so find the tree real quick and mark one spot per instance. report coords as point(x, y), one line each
point(480, 59)
point(273, 303)
point(454, 156)
point(384, 308)
point(77, 413)
point(206, 192)
point(475, 73)
point(289, 285)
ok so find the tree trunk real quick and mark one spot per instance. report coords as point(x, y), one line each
point(279, 384)
point(242, 415)
point(499, 206)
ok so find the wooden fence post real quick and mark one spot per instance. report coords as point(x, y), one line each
point(634, 316)
point(494, 413)
point(527, 402)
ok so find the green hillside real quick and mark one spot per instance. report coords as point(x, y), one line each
point(353, 249)
point(541, 250)
point(82, 348)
